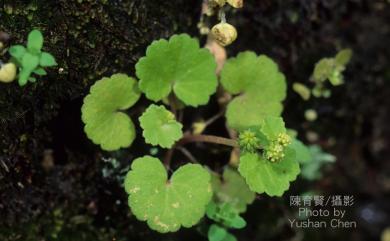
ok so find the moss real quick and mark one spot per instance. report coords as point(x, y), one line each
point(89, 39)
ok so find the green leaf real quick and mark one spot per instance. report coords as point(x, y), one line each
point(167, 205)
point(311, 169)
point(302, 90)
point(47, 60)
point(255, 109)
point(343, 57)
point(261, 87)
point(30, 61)
point(179, 65)
point(336, 78)
point(302, 152)
point(225, 214)
point(160, 126)
point(273, 178)
point(216, 233)
point(233, 190)
point(17, 51)
point(105, 124)
point(272, 127)
point(24, 75)
point(238, 222)
point(229, 237)
point(323, 69)
point(35, 41)
point(40, 71)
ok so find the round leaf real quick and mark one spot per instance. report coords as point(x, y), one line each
point(167, 205)
point(261, 87)
point(253, 108)
point(178, 64)
point(273, 178)
point(160, 127)
point(104, 123)
point(233, 190)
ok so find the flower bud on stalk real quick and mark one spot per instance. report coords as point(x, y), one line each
point(236, 3)
point(224, 33)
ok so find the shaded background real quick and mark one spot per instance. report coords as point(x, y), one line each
point(56, 185)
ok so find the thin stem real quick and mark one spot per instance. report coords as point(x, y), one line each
point(222, 16)
point(173, 103)
point(188, 138)
point(214, 118)
point(209, 139)
point(187, 154)
point(168, 158)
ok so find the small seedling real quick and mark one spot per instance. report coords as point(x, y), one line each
point(31, 59)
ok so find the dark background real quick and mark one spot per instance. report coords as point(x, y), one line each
point(55, 184)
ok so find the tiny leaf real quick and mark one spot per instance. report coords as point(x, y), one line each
point(35, 41)
point(160, 127)
point(323, 69)
point(47, 60)
point(24, 75)
point(238, 222)
point(302, 90)
point(167, 205)
point(17, 51)
point(302, 152)
point(311, 169)
point(225, 214)
point(40, 71)
point(343, 57)
point(233, 190)
point(179, 65)
point(105, 124)
point(229, 237)
point(216, 233)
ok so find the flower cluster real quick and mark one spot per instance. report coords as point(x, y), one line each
point(248, 141)
point(275, 151)
point(284, 139)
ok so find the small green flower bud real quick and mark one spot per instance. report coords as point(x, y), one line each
point(248, 141)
